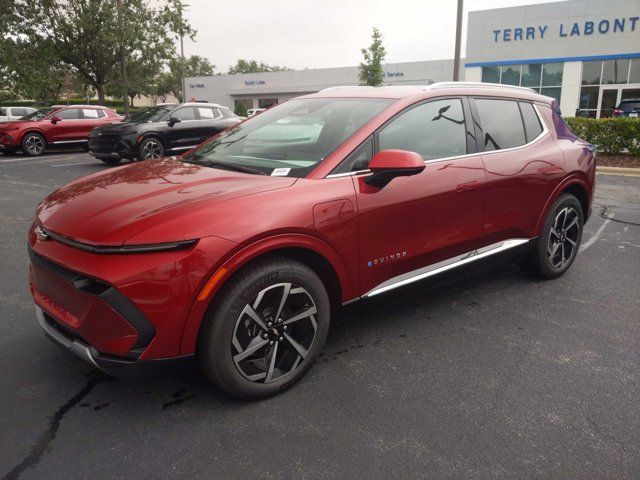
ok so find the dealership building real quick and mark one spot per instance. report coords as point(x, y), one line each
point(585, 53)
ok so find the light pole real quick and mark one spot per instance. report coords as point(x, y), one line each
point(456, 58)
point(184, 86)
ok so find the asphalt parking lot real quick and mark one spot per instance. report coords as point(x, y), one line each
point(484, 375)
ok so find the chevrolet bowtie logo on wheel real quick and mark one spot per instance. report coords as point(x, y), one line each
point(42, 235)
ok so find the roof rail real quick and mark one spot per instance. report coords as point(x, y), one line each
point(346, 87)
point(477, 84)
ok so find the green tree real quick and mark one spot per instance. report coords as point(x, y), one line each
point(94, 37)
point(241, 109)
point(194, 66)
point(253, 66)
point(371, 72)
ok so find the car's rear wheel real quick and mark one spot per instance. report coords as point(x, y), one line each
point(265, 328)
point(33, 144)
point(559, 240)
point(150, 148)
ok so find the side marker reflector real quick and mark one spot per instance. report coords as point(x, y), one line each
point(211, 284)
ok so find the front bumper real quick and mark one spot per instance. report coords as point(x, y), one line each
point(114, 366)
point(109, 146)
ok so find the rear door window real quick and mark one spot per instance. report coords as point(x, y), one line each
point(501, 123)
point(208, 113)
point(18, 112)
point(90, 114)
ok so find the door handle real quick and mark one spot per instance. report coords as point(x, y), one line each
point(465, 187)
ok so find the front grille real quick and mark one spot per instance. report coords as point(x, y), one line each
point(59, 270)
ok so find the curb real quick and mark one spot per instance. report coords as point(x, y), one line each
point(630, 172)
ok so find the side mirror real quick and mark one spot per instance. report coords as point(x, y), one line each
point(173, 121)
point(389, 164)
point(55, 119)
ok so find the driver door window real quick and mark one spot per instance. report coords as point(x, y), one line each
point(435, 129)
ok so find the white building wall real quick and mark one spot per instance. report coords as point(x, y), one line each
point(571, 83)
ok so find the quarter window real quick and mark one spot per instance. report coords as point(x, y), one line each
point(434, 129)
point(531, 120)
point(501, 123)
point(208, 113)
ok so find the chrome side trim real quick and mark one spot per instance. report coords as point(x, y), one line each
point(183, 148)
point(544, 133)
point(74, 346)
point(67, 141)
point(436, 268)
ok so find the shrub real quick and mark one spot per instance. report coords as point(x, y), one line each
point(611, 135)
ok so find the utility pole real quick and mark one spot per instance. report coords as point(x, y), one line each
point(184, 87)
point(456, 58)
point(123, 62)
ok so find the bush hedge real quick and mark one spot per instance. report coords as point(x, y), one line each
point(611, 135)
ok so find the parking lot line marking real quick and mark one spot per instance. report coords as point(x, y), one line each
point(68, 164)
point(596, 235)
point(39, 159)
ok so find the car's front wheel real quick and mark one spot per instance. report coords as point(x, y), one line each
point(150, 148)
point(559, 240)
point(264, 329)
point(33, 144)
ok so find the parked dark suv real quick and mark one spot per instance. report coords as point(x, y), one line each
point(628, 108)
point(160, 130)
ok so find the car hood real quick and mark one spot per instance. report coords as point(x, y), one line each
point(110, 207)
point(6, 126)
point(119, 127)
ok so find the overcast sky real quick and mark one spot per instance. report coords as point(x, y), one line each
point(326, 33)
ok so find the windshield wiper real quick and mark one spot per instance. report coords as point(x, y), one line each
point(227, 166)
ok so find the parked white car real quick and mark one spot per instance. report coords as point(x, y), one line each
point(14, 113)
point(254, 111)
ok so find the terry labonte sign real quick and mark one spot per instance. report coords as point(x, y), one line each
point(604, 26)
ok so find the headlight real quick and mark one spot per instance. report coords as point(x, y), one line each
point(146, 248)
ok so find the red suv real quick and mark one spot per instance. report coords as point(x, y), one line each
point(53, 126)
point(241, 250)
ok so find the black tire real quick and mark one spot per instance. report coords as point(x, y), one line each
point(227, 325)
point(150, 148)
point(559, 240)
point(110, 161)
point(33, 144)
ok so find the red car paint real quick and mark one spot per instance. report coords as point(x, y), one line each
point(67, 131)
point(454, 206)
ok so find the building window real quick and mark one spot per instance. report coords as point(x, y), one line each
point(491, 74)
point(545, 78)
point(607, 72)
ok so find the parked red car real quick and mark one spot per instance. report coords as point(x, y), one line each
point(242, 250)
point(54, 126)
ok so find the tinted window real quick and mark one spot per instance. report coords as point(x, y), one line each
point(151, 114)
point(18, 112)
point(186, 113)
point(434, 130)
point(532, 125)
point(501, 123)
point(68, 114)
point(591, 73)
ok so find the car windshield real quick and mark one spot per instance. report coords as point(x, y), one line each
point(151, 114)
point(40, 114)
point(630, 104)
point(290, 139)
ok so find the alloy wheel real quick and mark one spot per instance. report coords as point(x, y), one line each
point(151, 150)
point(563, 237)
point(274, 333)
point(34, 144)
